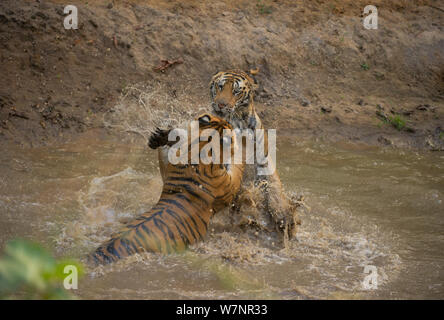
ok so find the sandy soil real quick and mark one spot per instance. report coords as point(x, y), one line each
point(322, 74)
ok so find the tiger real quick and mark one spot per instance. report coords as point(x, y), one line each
point(231, 95)
point(191, 194)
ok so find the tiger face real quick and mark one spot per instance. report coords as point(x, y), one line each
point(227, 141)
point(231, 92)
point(223, 128)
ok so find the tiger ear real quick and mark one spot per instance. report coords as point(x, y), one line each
point(252, 79)
point(204, 119)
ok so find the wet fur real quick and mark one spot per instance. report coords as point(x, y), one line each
point(234, 90)
point(191, 195)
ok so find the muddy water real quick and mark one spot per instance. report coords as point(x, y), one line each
point(372, 207)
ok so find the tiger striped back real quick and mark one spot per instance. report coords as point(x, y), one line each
point(191, 195)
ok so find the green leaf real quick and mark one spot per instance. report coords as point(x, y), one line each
point(29, 271)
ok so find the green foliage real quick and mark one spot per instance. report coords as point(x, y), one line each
point(28, 271)
point(365, 66)
point(397, 122)
point(262, 8)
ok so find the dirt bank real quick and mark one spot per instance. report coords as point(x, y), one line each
point(321, 72)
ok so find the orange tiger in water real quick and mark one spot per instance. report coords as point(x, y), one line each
point(191, 195)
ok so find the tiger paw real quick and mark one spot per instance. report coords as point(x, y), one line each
point(284, 213)
point(158, 138)
point(288, 224)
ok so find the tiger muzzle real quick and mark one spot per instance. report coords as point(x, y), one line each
point(222, 108)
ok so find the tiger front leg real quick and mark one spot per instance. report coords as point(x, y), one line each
point(277, 205)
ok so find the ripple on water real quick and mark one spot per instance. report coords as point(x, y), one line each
point(368, 207)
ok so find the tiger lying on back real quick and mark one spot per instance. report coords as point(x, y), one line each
point(191, 195)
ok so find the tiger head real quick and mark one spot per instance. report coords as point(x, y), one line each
point(208, 125)
point(222, 127)
point(231, 92)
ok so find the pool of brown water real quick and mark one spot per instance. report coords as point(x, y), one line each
point(370, 208)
